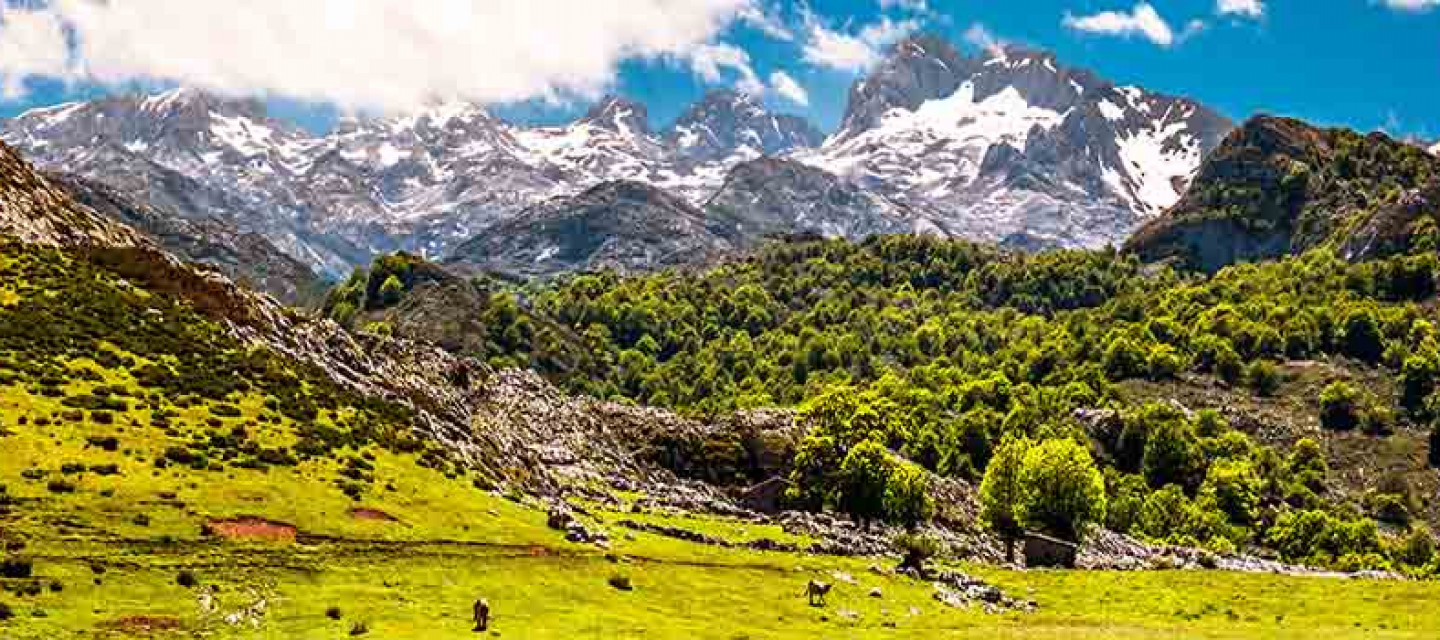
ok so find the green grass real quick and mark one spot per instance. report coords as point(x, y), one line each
point(451, 543)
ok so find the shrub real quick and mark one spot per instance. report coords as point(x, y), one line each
point(1236, 489)
point(1062, 491)
point(1125, 495)
point(359, 629)
point(16, 568)
point(621, 582)
point(1339, 407)
point(1173, 455)
point(1361, 337)
point(106, 443)
point(333, 613)
point(1164, 362)
point(1417, 549)
point(186, 578)
point(60, 486)
point(6, 612)
point(1263, 378)
point(917, 548)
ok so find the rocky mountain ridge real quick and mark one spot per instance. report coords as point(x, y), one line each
point(1007, 145)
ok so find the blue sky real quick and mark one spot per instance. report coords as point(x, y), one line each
point(1367, 64)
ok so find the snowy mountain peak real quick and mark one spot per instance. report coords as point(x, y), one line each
point(618, 114)
point(727, 124)
point(1435, 149)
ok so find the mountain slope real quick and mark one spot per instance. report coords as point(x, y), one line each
point(623, 225)
point(1013, 143)
point(247, 258)
point(727, 125)
point(1279, 186)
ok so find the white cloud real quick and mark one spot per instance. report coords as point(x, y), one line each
point(709, 61)
point(1143, 21)
point(916, 6)
point(1246, 8)
point(31, 43)
point(979, 36)
point(789, 89)
point(1411, 5)
point(768, 22)
point(376, 54)
point(843, 51)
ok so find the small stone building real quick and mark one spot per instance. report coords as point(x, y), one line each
point(1044, 551)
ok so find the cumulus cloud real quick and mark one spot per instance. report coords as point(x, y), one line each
point(1411, 5)
point(711, 61)
point(789, 89)
point(1143, 21)
point(31, 43)
point(1245, 8)
point(843, 51)
point(376, 54)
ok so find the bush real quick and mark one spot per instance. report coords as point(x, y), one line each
point(1339, 407)
point(6, 612)
point(1062, 491)
point(16, 568)
point(1125, 494)
point(1236, 489)
point(1417, 549)
point(621, 582)
point(1263, 378)
point(1173, 455)
point(187, 579)
point(60, 486)
point(333, 613)
point(359, 629)
point(917, 548)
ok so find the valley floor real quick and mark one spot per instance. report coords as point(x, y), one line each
point(118, 545)
point(544, 587)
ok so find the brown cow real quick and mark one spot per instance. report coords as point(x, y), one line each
point(482, 615)
point(816, 591)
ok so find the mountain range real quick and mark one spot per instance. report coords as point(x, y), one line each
point(1007, 145)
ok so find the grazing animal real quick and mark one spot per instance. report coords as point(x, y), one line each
point(816, 591)
point(482, 615)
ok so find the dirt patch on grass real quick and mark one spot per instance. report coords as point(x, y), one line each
point(367, 513)
point(251, 528)
point(140, 625)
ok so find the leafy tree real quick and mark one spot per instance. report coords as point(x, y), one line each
point(1418, 379)
point(1062, 490)
point(1361, 337)
point(1340, 407)
point(864, 476)
point(1173, 455)
point(391, 290)
point(1236, 489)
point(1001, 492)
point(1125, 496)
point(907, 498)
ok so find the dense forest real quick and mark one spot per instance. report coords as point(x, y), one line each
point(905, 351)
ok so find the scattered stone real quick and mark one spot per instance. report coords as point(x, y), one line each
point(875, 592)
